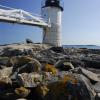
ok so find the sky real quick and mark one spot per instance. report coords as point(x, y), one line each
point(80, 22)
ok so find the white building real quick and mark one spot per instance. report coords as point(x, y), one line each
point(52, 13)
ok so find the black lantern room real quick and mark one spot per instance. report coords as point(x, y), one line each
point(52, 3)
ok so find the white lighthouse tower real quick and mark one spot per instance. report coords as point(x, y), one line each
point(52, 13)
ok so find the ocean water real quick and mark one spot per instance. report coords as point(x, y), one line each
point(82, 46)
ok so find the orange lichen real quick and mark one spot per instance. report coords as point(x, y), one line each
point(67, 78)
point(50, 68)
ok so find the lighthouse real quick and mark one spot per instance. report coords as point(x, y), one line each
point(52, 13)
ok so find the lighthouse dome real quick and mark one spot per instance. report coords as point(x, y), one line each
point(52, 3)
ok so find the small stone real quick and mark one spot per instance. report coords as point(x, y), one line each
point(64, 65)
point(5, 80)
point(29, 80)
point(97, 87)
point(29, 41)
point(89, 74)
point(6, 72)
point(20, 60)
point(99, 95)
point(21, 99)
point(22, 92)
point(32, 66)
point(4, 61)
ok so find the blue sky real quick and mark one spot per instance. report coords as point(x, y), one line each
point(80, 22)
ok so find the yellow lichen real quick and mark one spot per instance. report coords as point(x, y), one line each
point(50, 68)
point(22, 91)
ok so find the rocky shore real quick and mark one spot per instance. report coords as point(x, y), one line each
point(31, 71)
